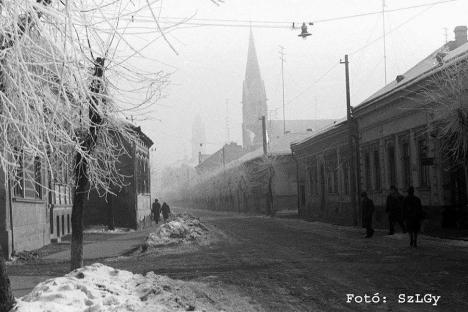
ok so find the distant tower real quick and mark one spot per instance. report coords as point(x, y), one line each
point(254, 99)
point(198, 137)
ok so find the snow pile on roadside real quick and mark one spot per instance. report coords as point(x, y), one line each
point(181, 228)
point(100, 288)
point(97, 229)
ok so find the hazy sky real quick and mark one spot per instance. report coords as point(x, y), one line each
point(209, 69)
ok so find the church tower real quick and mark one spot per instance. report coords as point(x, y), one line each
point(254, 104)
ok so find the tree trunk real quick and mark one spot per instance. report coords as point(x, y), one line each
point(76, 260)
point(6, 297)
point(81, 167)
point(110, 214)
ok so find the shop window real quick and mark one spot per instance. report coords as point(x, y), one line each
point(367, 168)
point(391, 165)
point(424, 163)
point(406, 164)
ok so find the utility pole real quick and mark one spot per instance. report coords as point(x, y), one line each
point(384, 41)
point(281, 52)
point(351, 146)
point(265, 147)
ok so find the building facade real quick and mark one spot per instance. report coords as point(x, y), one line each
point(130, 207)
point(24, 211)
point(226, 154)
point(398, 146)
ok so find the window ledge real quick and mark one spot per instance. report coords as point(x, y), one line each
point(29, 200)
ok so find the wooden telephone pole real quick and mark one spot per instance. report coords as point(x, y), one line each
point(351, 145)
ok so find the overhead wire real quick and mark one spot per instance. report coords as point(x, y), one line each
point(360, 49)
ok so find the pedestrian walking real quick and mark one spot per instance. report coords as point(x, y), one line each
point(367, 206)
point(394, 210)
point(166, 211)
point(156, 210)
point(413, 216)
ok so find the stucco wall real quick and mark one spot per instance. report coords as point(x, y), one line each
point(31, 225)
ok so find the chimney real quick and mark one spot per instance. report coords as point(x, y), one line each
point(460, 36)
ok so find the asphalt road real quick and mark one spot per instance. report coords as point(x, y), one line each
point(286, 264)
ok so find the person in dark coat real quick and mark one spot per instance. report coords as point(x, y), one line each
point(156, 210)
point(367, 206)
point(413, 215)
point(166, 211)
point(394, 210)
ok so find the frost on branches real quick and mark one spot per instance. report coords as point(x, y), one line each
point(48, 51)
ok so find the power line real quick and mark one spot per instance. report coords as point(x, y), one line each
point(265, 23)
point(359, 50)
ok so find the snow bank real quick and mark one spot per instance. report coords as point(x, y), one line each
point(97, 229)
point(99, 288)
point(181, 228)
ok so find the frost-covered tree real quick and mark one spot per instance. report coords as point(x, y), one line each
point(61, 96)
point(445, 95)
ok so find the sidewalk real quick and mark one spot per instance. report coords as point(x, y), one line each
point(96, 246)
point(116, 245)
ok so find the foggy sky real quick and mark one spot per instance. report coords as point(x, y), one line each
point(210, 66)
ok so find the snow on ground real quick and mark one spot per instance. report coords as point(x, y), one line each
point(105, 229)
point(181, 228)
point(100, 288)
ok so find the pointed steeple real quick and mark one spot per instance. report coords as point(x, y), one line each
point(253, 99)
point(252, 70)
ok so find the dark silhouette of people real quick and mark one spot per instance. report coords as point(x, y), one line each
point(156, 210)
point(367, 206)
point(413, 216)
point(166, 211)
point(394, 210)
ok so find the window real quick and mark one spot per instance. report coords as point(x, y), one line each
point(424, 164)
point(313, 178)
point(367, 171)
point(303, 197)
point(377, 172)
point(406, 164)
point(332, 173)
point(391, 165)
point(346, 186)
point(38, 177)
point(19, 176)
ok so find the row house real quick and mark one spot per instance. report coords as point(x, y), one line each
point(254, 183)
point(398, 144)
point(130, 207)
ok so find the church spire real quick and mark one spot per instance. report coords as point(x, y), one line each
point(252, 70)
point(253, 99)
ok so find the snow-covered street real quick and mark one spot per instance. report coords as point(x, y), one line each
point(286, 264)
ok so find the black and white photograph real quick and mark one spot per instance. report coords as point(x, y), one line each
point(233, 155)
